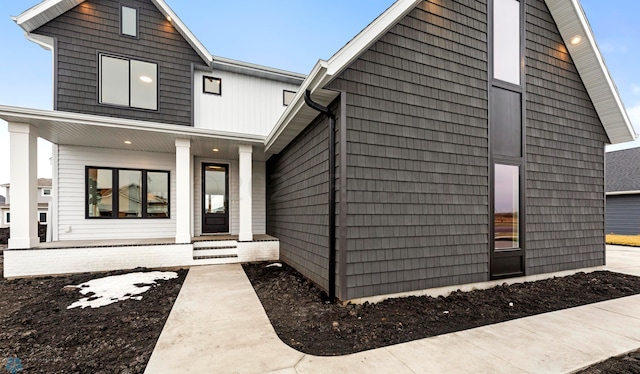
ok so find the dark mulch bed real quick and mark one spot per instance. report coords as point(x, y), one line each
point(629, 363)
point(37, 327)
point(305, 322)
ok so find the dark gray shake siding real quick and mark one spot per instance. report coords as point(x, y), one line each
point(94, 26)
point(297, 202)
point(623, 215)
point(417, 159)
point(565, 156)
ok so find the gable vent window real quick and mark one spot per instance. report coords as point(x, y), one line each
point(287, 97)
point(129, 21)
point(129, 83)
point(212, 85)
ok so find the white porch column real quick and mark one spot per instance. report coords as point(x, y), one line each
point(246, 233)
point(23, 161)
point(183, 191)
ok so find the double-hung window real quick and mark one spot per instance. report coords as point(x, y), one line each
point(127, 82)
point(127, 193)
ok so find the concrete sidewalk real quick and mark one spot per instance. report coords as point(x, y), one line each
point(218, 325)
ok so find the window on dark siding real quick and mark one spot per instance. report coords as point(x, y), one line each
point(129, 21)
point(129, 83)
point(7, 217)
point(140, 193)
point(506, 40)
point(212, 85)
point(42, 217)
point(506, 206)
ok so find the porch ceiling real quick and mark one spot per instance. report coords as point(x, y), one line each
point(106, 132)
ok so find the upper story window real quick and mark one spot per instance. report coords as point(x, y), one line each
point(212, 85)
point(287, 97)
point(129, 21)
point(127, 82)
point(46, 192)
point(506, 41)
point(7, 217)
point(42, 217)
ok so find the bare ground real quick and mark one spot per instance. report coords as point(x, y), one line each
point(39, 330)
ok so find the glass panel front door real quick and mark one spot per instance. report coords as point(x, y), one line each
point(215, 198)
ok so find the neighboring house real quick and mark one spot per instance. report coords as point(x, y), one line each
point(44, 193)
point(450, 142)
point(623, 192)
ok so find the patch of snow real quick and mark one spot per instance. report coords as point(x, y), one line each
point(275, 264)
point(109, 290)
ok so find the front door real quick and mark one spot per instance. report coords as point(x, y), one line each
point(215, 198)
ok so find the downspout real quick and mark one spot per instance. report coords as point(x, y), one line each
point(332, 191)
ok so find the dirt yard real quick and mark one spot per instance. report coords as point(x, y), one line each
point(306, 323)
point(41, 335)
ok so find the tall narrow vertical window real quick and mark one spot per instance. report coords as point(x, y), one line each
point(100, 192)
point(506, 206)
point(129, 193)
point(506, 40)
point(157, 194)
point(129, 21)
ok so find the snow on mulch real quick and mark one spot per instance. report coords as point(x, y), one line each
point(109, 290)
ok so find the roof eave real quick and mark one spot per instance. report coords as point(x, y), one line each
point(184, 31)
point(572, 21)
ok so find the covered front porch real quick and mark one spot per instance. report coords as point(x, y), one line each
point(107, 213)
point(74, 256)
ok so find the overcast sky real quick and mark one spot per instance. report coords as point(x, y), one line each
point(290, 35)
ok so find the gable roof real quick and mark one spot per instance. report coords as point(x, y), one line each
point(623, 171)
point(47, 10)
point(571, 21)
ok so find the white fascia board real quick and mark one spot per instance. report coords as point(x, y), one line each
point(572, 21)
point(361, 42)
point(43, 12)
point(250, 68)
point(317, 74)
point(614, 193)
point(184, 30)
point(25, 115)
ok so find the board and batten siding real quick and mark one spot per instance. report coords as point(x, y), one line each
point(623, 214)
point(93, 27)
point(258, 195)
point(248, 105)
point(417, 162)
point(565, 156)
point(72, 161)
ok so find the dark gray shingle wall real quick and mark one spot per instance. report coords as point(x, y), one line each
point(623, 170)
point(417, 153)
point(93, 27)
point(297, 201)
point(565, 156)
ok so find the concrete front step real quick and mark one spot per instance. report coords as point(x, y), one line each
point(218, 252)
point(215, 261)
point(215, 244)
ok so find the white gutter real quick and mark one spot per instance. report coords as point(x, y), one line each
point(614, 193)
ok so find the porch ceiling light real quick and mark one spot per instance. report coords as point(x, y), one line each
point(127, 142)
point(146, 79)
point(576, 40)
point(216, 150)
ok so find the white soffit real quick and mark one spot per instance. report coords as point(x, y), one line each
point(110, 132)
point(571, 21)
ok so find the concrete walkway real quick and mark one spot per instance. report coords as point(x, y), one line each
point(218, 325)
